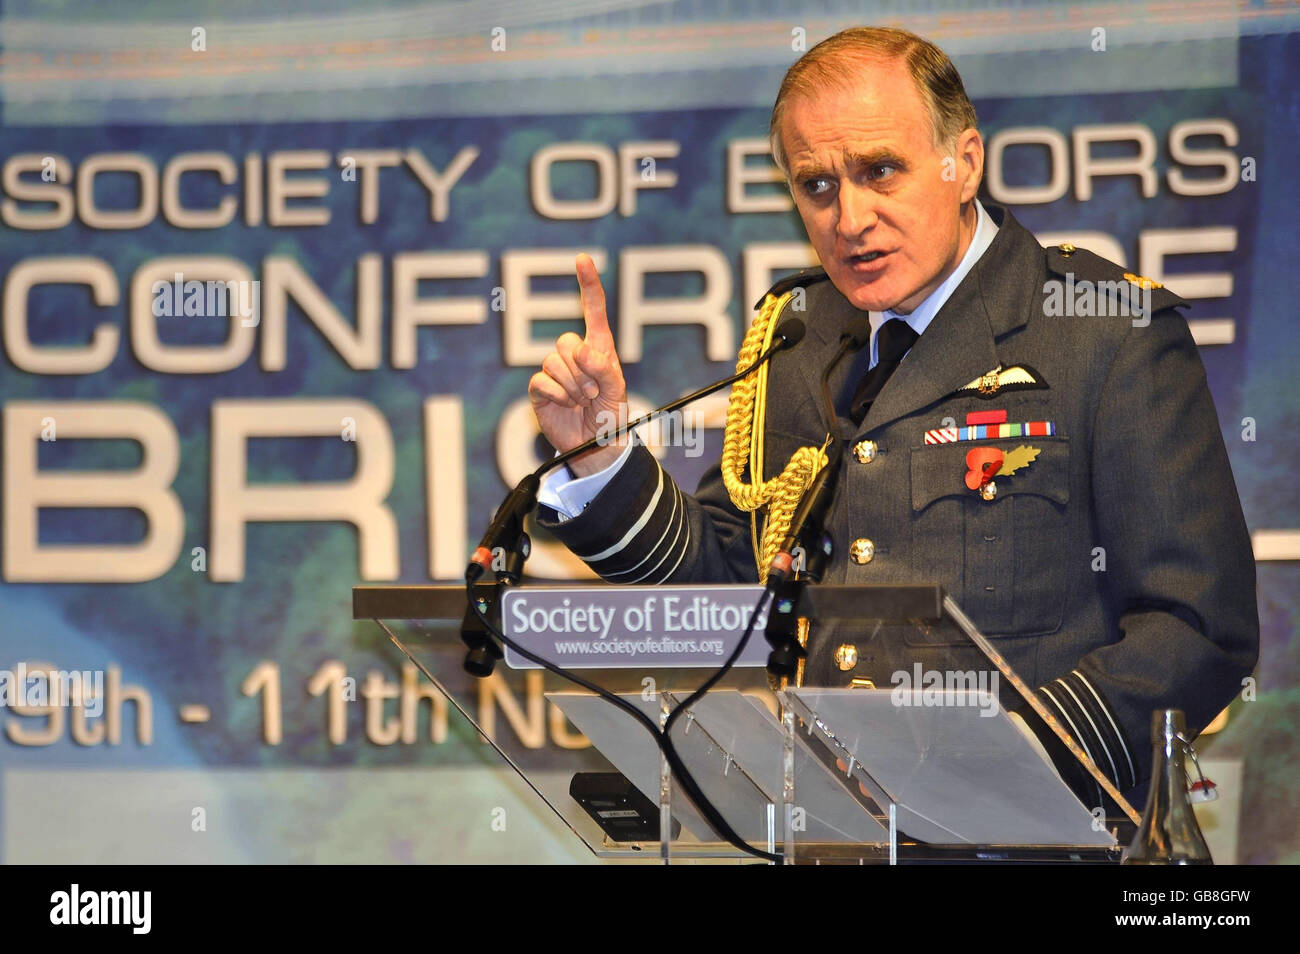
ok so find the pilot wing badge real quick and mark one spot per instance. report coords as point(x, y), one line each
point(1016, 377)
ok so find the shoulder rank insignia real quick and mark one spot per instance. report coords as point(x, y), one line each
point(1080, 270)
point(1141, 281)
point(1017, 377)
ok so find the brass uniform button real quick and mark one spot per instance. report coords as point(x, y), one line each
point(989, 490)
point(846, 657)
point(1066, 248)
point(862, 550)
point(865, 451)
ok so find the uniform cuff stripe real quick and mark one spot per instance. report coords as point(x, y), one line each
point(668, 528)
point(679, 507)
point(635, 529)
point(1119, 736)
point(681, 556)
point(1100, 739)
point(1065, 717)
point(1087, 704)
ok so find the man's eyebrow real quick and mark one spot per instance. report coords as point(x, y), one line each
point(813, 170)
point(875, 156)
point(807, 170)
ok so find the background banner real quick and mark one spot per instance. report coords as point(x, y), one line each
point(274, 282)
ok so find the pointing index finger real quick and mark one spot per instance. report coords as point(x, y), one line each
point(593, 305)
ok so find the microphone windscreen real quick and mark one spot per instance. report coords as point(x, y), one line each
point(858, 332)
point(792, 330)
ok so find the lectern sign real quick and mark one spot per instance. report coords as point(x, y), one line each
point(633, 627)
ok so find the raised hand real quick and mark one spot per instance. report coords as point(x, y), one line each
point(580, 391)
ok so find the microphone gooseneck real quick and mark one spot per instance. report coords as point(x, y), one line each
point(808, 524)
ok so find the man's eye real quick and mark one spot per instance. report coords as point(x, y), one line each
point(883, 170)
point(816, 186)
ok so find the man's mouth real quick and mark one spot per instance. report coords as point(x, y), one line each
point(867, 260)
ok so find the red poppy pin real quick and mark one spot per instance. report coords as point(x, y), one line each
point(982, 463)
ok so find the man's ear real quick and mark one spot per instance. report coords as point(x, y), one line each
point(969, 153)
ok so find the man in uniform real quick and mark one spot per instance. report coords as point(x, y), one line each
point(1062, 476)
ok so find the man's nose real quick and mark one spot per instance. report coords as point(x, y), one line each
point(857, 211)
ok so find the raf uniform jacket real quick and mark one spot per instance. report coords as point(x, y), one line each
point(1114, 572)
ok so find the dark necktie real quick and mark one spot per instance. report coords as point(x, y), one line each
point(894, 339)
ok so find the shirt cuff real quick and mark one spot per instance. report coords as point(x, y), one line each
point(568, 495)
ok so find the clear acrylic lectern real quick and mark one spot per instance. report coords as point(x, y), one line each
point(909, 754)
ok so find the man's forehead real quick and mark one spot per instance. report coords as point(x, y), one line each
point(815, 137)
point(877, 106)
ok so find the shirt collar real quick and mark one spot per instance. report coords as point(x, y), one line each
point(923, 314)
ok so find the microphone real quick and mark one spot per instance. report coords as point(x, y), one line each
point(507, 524)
